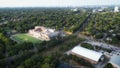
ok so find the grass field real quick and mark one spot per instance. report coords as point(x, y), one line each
point(25, 38)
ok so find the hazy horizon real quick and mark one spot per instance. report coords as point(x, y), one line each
point(56, 3)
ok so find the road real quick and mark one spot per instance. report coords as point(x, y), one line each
point(84, 24)
point(103, 45)
point(99, 43)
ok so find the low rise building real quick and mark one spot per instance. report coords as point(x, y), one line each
point(88, 55)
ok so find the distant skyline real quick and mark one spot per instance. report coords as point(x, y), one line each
point(55, 3)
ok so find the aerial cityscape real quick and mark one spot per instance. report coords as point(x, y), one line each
point(59, 34)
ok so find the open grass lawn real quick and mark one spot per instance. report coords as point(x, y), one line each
point(25, 38)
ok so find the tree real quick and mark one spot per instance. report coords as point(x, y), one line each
point(88, 46)
point(46, 65)
point(109, 65)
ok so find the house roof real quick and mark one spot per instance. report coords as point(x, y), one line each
point(90, 54)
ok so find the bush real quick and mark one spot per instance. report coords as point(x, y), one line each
point(88, 46)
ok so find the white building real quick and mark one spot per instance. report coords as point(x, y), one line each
point(43, 33)
point(100, 10)
point(86, 54)
point(75, 9)
point(116, 9)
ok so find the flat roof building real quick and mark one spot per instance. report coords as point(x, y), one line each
point(86, 54)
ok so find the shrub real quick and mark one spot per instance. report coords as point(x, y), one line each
point(88, 46)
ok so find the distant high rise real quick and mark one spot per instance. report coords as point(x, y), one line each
point(116, 9)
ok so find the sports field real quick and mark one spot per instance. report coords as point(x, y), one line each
point(25, 38)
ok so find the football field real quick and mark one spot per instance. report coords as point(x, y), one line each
point(25, 38)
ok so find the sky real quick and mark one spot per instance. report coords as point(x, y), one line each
point(55, 3)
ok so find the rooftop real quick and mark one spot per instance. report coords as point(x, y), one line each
point(90, 54)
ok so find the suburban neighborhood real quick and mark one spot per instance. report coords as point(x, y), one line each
point(60, 34)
